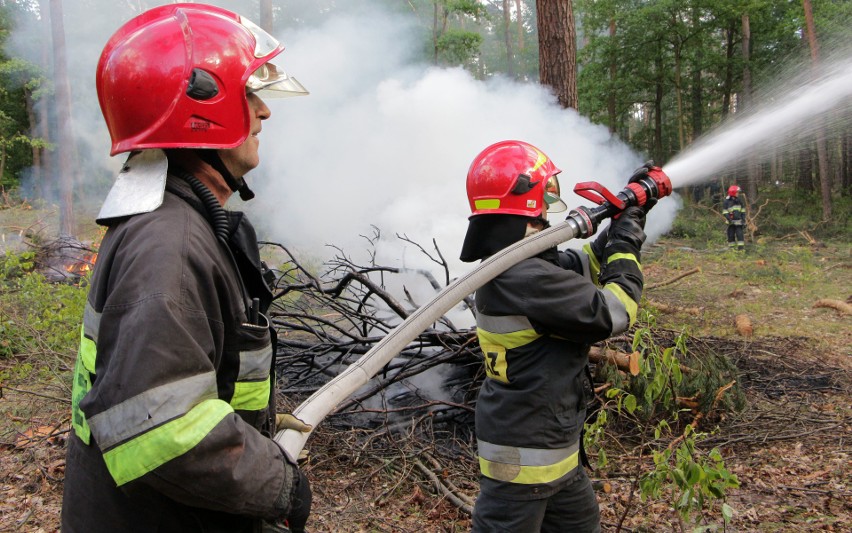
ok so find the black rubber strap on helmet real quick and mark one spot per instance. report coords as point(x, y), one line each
point(236, 184)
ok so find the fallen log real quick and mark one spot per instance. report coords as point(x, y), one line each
point(626, 362)
point(838, 305)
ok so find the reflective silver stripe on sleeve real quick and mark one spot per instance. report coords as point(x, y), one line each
point(91, 322)
point(524, 456)
point(255, 364)
point(618, 313)
point(153, 407)
point(502, 324)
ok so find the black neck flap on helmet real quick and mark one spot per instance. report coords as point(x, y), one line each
point(488, 234)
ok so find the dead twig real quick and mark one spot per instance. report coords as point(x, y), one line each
point(456, 498)
point(674, 279)
point(66, 401)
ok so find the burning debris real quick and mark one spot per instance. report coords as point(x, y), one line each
point(65, 259)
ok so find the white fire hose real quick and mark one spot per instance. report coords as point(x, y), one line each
point(313, 410)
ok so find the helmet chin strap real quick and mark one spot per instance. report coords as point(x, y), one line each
point(236, 184)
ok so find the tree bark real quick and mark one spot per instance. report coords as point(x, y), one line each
point(435, 32)
point(557, 50)
point(507, 39)
point(613, 71)
point(822, 151)
point(727, 87)
point(805, 167)
point(657, 148)
point(744, 105)
point(43, 110)
point(697, 99)
point(37, 177)
point(66, 171)
point(519, 5)
point(678, 96)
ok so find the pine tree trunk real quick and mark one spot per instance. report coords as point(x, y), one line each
point(727, 87)
point(65, 147)
point(744, 106)
point(822, 151)
point(37, 176)
point(657, 148)
point(610, 101)
point(679, 98)
point(697, 97)
point(805, 181)
point(507, 28)
point(557, 50)
point(520, 25)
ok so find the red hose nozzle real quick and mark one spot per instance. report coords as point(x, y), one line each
point(662, 182)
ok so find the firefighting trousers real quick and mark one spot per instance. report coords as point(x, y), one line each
point(574, 508)
point(735, 235)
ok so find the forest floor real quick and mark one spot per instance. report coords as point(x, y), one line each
point(789, 447)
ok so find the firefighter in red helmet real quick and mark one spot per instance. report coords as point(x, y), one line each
point(173, 409)
point(535, 323)
point(734, 212)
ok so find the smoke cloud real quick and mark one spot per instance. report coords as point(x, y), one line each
point(383, 141)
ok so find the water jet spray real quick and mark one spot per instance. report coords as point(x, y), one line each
point(796, 111)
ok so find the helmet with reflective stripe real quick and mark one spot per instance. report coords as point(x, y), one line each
point(733, 190)
point(513, 178)
point(176, 76)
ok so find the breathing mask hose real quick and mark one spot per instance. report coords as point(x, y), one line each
point(581, 223)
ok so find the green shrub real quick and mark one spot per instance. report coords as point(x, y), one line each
point(36, 315)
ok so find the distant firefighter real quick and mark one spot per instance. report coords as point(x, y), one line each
point(734, 213)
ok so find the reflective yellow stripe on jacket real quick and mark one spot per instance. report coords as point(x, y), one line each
point(84, 368)
point(631, 306)
point(145, 431)
point(500, 333)
point(251, 391)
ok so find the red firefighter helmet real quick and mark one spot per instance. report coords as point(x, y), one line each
point(176, 76)
point(513, 178)
point(733, 190)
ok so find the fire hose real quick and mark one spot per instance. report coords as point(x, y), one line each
point(581, 222)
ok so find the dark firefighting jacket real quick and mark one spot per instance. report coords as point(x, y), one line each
point(173, 390)
point(733, 211)
point(535, 323)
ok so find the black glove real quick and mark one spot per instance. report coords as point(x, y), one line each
point(641, 172)
point(649, 203)
point(300, 505)
point(629, 227)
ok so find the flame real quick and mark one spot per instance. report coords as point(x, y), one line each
point(84, 265)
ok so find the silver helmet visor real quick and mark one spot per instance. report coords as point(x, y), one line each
point(273, 82)
point(269, 80)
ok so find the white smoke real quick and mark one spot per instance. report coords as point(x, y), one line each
point(381, 141)
point(386, 142)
